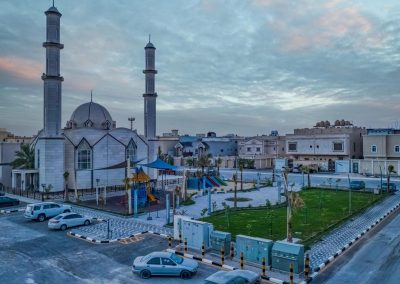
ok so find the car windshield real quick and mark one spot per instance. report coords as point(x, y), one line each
point(29, 207)
point(58, 217)
point(176, 258)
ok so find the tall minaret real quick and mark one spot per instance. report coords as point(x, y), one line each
point(150, 95)
point(52, 79)
point(50, 147)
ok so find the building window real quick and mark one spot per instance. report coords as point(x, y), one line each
point(310, 146)
point(374, 149)
point(317, 146)
point(354, 146)
point(292, 146)
point(397, 148)
point(338, 146)
point(84, 156)
point(131, 151)
point(248, 149)
point(258, 149)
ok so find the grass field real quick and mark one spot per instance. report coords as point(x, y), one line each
point(324, 208)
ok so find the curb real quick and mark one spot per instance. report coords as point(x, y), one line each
point(12, 210)
point(113, 240)
point(348, 245)
point(228, 267)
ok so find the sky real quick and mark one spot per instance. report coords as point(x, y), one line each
point(234, 66)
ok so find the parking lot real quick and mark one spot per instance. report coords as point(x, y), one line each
point(31, 253)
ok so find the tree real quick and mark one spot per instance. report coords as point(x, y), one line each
point(66, 175)
point(204, 161)
point(25, 157)
point(390, 170)
point(294, 202)
point(306, 170)
point(218, 161)
point(190, 162)
point(241, 164)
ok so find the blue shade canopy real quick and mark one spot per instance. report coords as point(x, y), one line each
point(160, 164)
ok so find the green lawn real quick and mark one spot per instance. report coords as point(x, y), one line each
point(323, 208)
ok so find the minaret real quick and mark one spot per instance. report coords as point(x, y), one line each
point(52, 79)
point(50, 147)
point(150, 95)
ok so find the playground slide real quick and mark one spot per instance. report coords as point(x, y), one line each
point(151, 197)
point(213, 182)
point(220, 181)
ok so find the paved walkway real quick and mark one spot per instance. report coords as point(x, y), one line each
point(342, 235)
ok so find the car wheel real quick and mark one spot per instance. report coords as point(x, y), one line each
point(186, 274)
point(67, 211)
point(87, 223)
point(145, 274)
point(41, 217)
point(63, 227)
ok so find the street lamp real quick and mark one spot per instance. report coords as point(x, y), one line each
point(97, 191)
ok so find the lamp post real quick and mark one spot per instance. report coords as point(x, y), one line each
point(380, 168)
point(44, 186)
point(131, 119)
point(348, 176)
point(97, 191)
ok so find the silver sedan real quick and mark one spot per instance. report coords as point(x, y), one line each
point(164, 263)
point(68, 220)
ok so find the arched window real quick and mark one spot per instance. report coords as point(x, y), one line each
point(84, 156)
point(131, 151)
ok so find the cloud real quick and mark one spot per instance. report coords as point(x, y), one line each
point(21, 68)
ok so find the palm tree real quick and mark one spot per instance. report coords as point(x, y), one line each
point(241, 163)
point(66, 175)
point(218, 161)
point(306, 170)
point(190, 162)
point(390, 170)
point(204, 161)
point(25, 157)
point(294, 202)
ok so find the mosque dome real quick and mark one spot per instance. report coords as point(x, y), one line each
point(91, 115)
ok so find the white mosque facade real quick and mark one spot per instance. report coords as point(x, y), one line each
point(91, 148)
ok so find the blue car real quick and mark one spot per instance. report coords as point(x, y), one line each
point(357, 184)
point(392, 186)
point(164, 263)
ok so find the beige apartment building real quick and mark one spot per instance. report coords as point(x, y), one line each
point(262, 149)
point(381, 148)
point(324, 144)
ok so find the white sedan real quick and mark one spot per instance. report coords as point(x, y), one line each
point(68, 220)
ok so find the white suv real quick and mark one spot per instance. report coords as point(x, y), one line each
point(41, 211)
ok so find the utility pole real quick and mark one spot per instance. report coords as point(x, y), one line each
point(131, 119)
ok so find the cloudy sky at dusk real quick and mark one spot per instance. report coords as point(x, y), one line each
point(243, 67)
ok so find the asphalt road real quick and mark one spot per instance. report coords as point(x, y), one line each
point(316, 178)
point(375, 259)
point(31, 253)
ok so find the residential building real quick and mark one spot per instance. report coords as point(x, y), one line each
point(324, 144)
point(262, 149)
point(381, 148)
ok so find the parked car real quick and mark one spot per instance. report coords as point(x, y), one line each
point(234, 277)
point(392, 186)
point(41, 211)
point(8, 201)
point(68, 220)
point(357, 184)
point(164, 263)
point(2, 193)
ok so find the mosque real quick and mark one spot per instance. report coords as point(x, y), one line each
point(90, 148)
